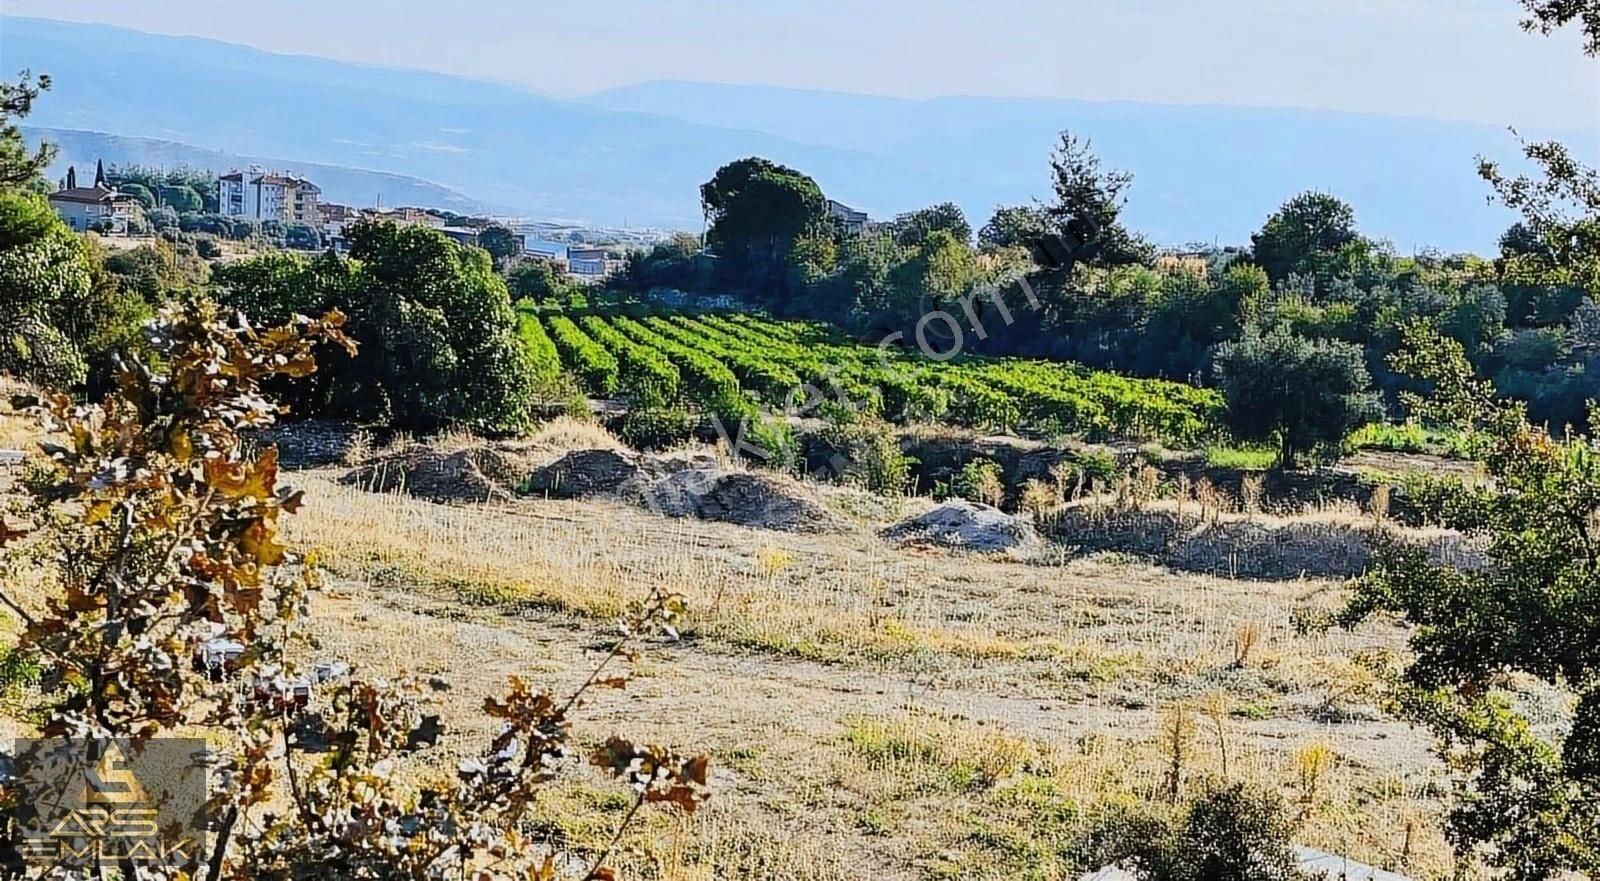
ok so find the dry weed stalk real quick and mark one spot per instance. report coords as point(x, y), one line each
point(1177, 732)
point(1378, 506)
point(1245, 640)
point(1311, 765)
point(1251, 491)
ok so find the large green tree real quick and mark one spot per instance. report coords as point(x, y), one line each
point(1304, 394)
point(1015, 226)
point(913, 228)
point(435, 324)
point(1306, 236)
point(501, 242)
point(1527, 789)
point(1088, 203)
point(757, 210)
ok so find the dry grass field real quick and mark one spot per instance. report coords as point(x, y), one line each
point(898, 713)
point(873, 710)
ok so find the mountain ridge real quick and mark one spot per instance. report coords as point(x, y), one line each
point(636, 155)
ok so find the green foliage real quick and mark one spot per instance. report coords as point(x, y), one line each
point(542, 355)
point(182, 198)
point(1445, 501)
point(1306, 236)
point(538, 280)
point(980, 480)
point(1226, 833)
point(1241, 458)
point(645, 376)
point(867, 453)
point(435, 321)
point(1012, 227)
point(1409, 437)
point(1088, 205)
point(20, 169)
point(45, 284)
point(595, 366)
point(129, 614)
point(912, 229)
point(501, 243)
point(757, 211)
point(1307, 395)
point(1527, 612)
point(656, 428)
point(147, 199)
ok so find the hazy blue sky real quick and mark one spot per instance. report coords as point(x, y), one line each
point(1463, 59)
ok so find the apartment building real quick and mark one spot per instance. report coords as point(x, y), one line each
point(262, 195)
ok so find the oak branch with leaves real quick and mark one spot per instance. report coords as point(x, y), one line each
point(162, 527)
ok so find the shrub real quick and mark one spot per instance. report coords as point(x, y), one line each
point(867, 453)
point(45, 291)
point(656, 428)
point(1226, 833)
point(981, 481)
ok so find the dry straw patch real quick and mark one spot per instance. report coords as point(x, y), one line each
point(596, 565)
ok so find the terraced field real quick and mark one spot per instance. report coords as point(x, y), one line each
point(734, 365)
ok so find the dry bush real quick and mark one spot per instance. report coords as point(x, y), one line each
point(1245, 640)
point(1379, 504)
point(1312, 764)
point(1070, 480)
point(1208, 498)
point(1038, 499)
point(566, 433)
point(358, 450)
point(1251, 493)
point(1177, 732)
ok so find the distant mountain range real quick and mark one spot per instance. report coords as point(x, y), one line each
point(637, 155)
point(348, 186)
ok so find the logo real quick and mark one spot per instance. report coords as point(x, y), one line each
point(85, 803)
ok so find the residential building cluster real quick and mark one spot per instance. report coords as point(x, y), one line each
point(260, 195)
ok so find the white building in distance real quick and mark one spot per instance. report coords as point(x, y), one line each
point(261, 195)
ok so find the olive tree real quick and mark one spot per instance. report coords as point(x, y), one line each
point(1305, 395)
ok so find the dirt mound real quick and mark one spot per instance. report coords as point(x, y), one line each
point(757, 500)
point(470, 475)
point(584, 473)
point(1241, 548)
point(963, 524)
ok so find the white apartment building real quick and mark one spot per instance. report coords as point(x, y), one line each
point(261, 195)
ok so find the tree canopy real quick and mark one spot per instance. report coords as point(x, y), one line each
point(18, 166)
point(1303, 394)
point(433, 319)
point(757, 210)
